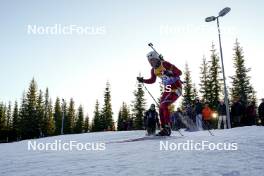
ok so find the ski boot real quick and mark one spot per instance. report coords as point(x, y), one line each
point(165, 131)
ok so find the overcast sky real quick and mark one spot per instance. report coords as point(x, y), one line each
point(115, 47)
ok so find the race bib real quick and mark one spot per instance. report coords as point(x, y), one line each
point(169, 80)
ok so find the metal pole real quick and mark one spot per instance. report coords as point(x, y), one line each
point(223, 70)
point(62, 119)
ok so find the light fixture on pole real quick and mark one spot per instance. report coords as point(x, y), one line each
point(222, 13)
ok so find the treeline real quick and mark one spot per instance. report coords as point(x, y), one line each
point(130, 117)
point(211, 87)
point(38, 117)
point(103, 118)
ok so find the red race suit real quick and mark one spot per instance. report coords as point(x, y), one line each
point(172, 91)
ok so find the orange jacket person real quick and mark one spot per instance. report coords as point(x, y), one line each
point(207, 112)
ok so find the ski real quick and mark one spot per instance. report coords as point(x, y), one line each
point(145, 138)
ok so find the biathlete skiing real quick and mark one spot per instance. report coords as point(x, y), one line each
point(170, 76)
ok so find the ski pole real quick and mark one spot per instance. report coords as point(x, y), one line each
point(158, 104)
point(205, 124)
point(151, 95)
point(179, 132)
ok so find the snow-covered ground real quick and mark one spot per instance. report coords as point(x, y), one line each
point(139, 157)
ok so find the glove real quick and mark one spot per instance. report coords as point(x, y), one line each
point(140, 79)
point(167, 73)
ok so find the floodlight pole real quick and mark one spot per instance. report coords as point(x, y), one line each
point(222, 13)
point(224, 78)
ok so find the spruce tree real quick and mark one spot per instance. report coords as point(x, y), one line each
point(79, 122)
point(40, 112)
point(86, 126)
point(70, 118)
point(2, 116)
point(241, 87)
point(120, 120)
point(3, 122)
point(45, 121)
point(57, 116)
point(50, 119)
point(215, 82)
point(97, 124)
point(204, 81)
point(16, 121)
point(64, 109)
point(252, 96)
point(188, 94)
point(138, 107)
point(107, 114)
point(23, 116)
point(123, 116)
point(31, 126)
point(195, 93)
point(9, 117)
point(125, 112)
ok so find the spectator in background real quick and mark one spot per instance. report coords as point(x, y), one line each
point(150, 120)
point(221, 110)
point(176, 119)
point(251, 114)
point(198, 114)
point(237, 112)
point(189, 111)
point(207, 116)
point(261, 111)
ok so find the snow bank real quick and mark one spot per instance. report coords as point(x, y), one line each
point(139, 157)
